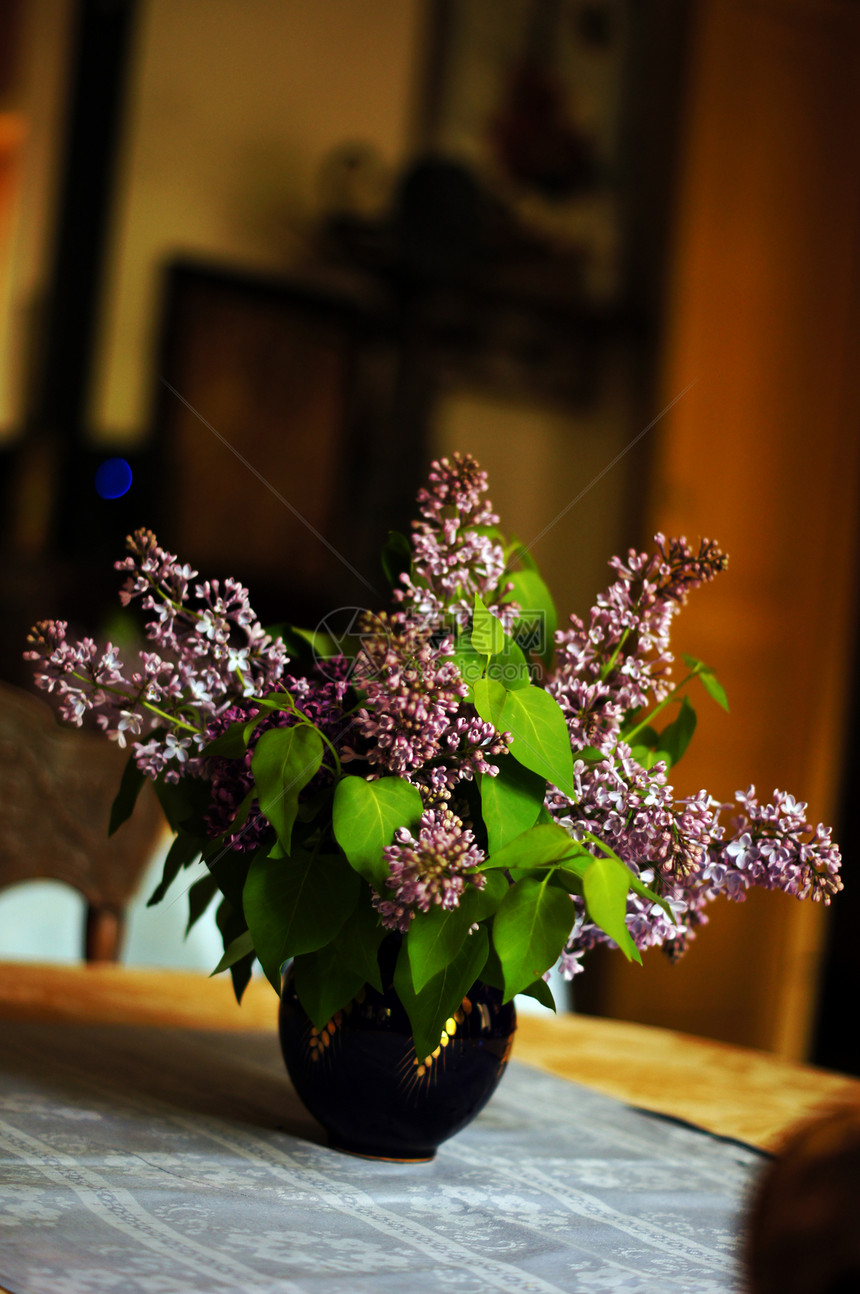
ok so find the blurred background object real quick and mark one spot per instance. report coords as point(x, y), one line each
point(802, 1225)
point(276, 257)
point(57, 792)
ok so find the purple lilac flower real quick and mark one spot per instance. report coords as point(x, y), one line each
point(634, 812)
point(434, 869)
point(413, 721)
point(207, 656)
point(620, 660)
point(453, 557)
point(319, 699)
point(775, 847)
point(678, 850)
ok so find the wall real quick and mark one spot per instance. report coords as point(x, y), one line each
point(233, 106)
point(33, 112)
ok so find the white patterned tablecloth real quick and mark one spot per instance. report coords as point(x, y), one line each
point(167, 1161)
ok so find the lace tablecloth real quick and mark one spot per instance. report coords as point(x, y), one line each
point(169, 1161)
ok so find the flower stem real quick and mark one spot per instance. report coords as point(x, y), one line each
point(135, 701)
point(667, 700)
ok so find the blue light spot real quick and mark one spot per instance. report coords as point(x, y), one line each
point(113, 478)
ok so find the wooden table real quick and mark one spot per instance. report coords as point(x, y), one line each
point(731, 1091)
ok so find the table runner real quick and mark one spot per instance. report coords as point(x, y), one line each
point(171, 1161)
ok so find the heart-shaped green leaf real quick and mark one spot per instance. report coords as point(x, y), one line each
point(365, 816)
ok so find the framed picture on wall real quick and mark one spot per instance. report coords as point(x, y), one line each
point(266, 431)
point(532, 95)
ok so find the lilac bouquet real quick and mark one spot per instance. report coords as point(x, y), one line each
point(488, 791)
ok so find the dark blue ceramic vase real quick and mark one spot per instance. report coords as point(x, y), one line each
point(361, 1079)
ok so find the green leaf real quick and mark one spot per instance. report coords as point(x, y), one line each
point(647, 737)
point(516, 551)
point(231, 744)
point(676, 737)
point(510, 801)
point(324, 983)
point(240, 974)
point(296, 905)
point(468, 662)
point(489, 697)
point(182, 853)
point(130, 786)
point(359, 940)
point(510, 667)
point(480, 904)
point(200, 895)
point(530, 930)
point(540, 846)
point(231, 924)
point(274, 701)
point(284, 761)
point(492, 972)
point(488, 632)
point(184, 802)
point(715, 689)
point(541, 740)
point(238, 948)
point(396, 557)
point(568, 878)
point(436, 938)
point(229, 869)
point(541, 992)
point(429, 1009)
point(365, 816)
point(605, 886)
point(644, 892)
point(709, 680)
point(538, 617)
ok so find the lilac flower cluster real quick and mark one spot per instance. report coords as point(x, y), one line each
point(773, 846)
point(207, 656)
point(635, 813)
point(621, 659)
point(210, 662)
point(607, 672)
point(679, 850)
point(318, 699)
point(414, 721)
point(453, 556)
point(434, 869)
